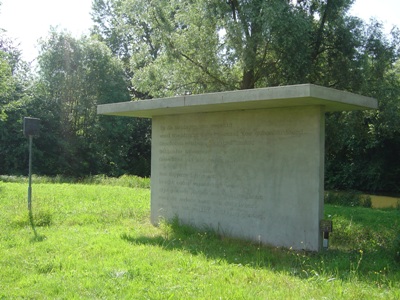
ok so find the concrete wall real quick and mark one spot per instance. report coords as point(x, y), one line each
point(254, 174)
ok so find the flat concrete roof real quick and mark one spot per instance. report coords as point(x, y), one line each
point(273, 97)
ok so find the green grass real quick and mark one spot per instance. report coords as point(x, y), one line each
point(124, 180)
point(96, 242)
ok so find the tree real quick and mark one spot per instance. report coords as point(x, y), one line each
point(15, 81)
point(6, 79)
point(202, 46)
point(75, 76)
point(209, 45)
point(361, 147)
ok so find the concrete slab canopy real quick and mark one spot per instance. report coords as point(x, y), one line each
point(248, 163)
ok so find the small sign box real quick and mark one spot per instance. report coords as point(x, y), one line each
point(31, 126)
point(325, 225)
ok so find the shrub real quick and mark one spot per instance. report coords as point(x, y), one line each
point(347, 198)
point(366, 201)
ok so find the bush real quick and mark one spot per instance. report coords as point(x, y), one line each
point(347, 198)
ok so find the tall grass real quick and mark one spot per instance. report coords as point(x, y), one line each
point(95, 241)
point(124, 180)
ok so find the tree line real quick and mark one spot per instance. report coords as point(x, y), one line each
point(141, 49)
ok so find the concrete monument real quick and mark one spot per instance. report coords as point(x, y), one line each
point(249, 163)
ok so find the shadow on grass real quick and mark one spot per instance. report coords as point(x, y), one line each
point(36, 237)
point(332, 264)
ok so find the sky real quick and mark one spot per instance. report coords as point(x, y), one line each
point(27, 21)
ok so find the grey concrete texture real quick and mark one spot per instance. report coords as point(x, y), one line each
point(254, 174)
point(283, 96)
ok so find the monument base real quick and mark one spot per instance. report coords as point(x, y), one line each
point(254, 174)
point(249, 164)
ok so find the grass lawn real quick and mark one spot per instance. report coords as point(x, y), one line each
point(96, 242)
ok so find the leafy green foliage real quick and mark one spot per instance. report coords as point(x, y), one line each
point(14, 96)
point(202, 46)
point(178, 47)
point(6, 79)
point(75, 75)
point(347, 198)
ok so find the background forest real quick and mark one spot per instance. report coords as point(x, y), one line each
point(141, 49)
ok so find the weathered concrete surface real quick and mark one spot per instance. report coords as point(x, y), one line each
point(285, 96)
point(249, 164)
point(255, 174)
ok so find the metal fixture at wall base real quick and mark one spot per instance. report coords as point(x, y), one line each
point(326, 228)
